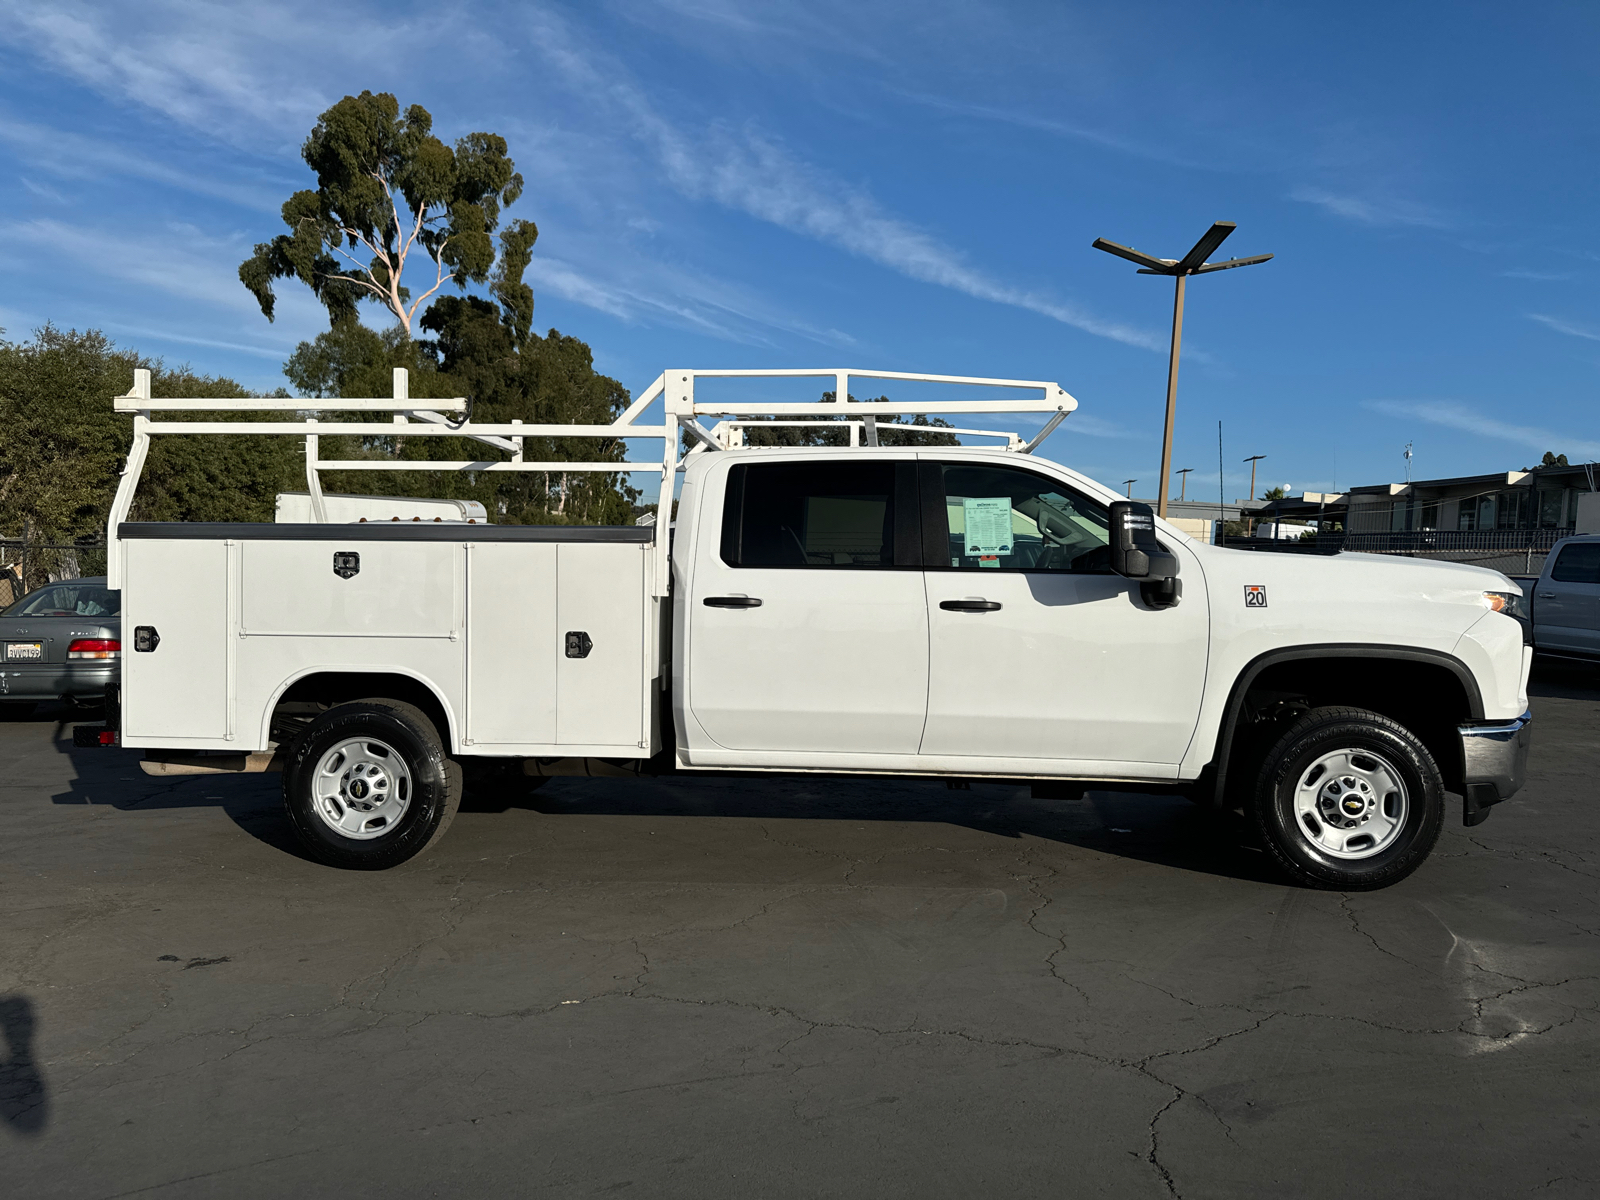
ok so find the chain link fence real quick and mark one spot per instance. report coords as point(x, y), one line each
point(26, 564)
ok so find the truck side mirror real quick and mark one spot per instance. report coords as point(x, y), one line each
point(1136, 554)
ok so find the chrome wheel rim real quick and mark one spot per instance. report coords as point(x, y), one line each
point(361, 789)
point(1351, 804)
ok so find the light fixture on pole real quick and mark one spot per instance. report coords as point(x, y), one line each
point(1192, 263)
point(1128, 483)
point(1183, 484)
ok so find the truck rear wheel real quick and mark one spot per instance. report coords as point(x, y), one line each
point(1348, 799)
point(368, 785)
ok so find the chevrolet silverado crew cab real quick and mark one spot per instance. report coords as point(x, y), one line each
point(972, 612)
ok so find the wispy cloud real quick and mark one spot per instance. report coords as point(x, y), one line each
point(702, 304)
point(72, 156)
point(1537, 276)
point(1062, 129)
point(201, 67)
point(745, 171)
point(1452, 415)
point(1566, 327)
point(1378, 211)
point(181, 265)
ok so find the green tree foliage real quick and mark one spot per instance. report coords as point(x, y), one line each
point(386, 190)
point(1276, 493)
point(62, 448)
point(892, 431)
point(537, 380)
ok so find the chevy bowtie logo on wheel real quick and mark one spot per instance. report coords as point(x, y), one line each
point(1255, 595)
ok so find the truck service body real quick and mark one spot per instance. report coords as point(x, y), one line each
point(927, 610)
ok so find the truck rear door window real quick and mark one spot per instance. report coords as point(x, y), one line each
point(825, 515)
point(1003, 518)
point(1579, 563)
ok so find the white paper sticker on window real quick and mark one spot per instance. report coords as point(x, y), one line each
point(988, 524)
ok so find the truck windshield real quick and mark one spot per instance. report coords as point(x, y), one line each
point(68, 600)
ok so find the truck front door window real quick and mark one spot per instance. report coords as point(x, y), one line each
point(998, 517)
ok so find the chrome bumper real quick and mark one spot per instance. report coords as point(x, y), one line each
point(1495, 757)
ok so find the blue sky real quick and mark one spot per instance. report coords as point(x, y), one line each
point(896, 186)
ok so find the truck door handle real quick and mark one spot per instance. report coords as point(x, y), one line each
point(970, 605)
point(731, 602)
point(1547, 595)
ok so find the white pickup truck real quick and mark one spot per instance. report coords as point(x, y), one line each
point(957, 611)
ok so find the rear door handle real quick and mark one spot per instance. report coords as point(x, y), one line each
point(731, 602)
point(970, 605)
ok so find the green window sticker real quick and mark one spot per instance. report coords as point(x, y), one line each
point(988, 525)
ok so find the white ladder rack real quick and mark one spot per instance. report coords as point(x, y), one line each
point(675, 388)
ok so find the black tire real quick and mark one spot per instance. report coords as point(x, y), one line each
point(1289, 765)
point(434, 784)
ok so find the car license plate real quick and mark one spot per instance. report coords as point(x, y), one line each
point(23, 650)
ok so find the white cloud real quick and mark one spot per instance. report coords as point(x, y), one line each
point(1457, 416)
point(1566, 327)
point(744, 171)
point(70, 155)
point(1374, 210)
point(1537, 276)
point(205, 66)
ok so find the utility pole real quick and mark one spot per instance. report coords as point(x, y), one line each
point(1192, 263)
point(1128, 483)
point(1183, 484)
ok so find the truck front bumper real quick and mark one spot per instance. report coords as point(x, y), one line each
point(1496, 760)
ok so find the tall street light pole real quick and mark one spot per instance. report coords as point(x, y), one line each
point(1183, 484)
point(1128, 483)
point(1192, 263)
point(1253, 460)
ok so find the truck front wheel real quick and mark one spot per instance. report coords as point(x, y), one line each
point(1349, 799)
point(368, 785)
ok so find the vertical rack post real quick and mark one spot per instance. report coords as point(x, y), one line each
point(677, 405)
point(319, 510)
point(122, 502)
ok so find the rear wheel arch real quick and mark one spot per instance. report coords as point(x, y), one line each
point(331, 688)
point(1427, 691)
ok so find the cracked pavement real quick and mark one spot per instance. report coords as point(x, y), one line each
point(788, 987)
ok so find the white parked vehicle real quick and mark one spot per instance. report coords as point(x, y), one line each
point(973, 613)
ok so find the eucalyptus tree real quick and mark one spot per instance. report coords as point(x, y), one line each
point(391, 196)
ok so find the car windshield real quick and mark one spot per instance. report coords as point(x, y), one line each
point(69, 600)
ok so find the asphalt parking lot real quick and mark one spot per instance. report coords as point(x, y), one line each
point(788, 988)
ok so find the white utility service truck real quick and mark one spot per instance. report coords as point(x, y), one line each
point(971, 612)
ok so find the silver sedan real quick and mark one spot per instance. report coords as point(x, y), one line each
point(60, 642)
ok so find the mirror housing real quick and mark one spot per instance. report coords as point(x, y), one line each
point(1136, 554)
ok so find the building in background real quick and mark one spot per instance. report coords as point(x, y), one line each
point(1506, 521)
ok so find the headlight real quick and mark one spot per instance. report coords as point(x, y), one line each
point(1511, 603)
point(1514, 606)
